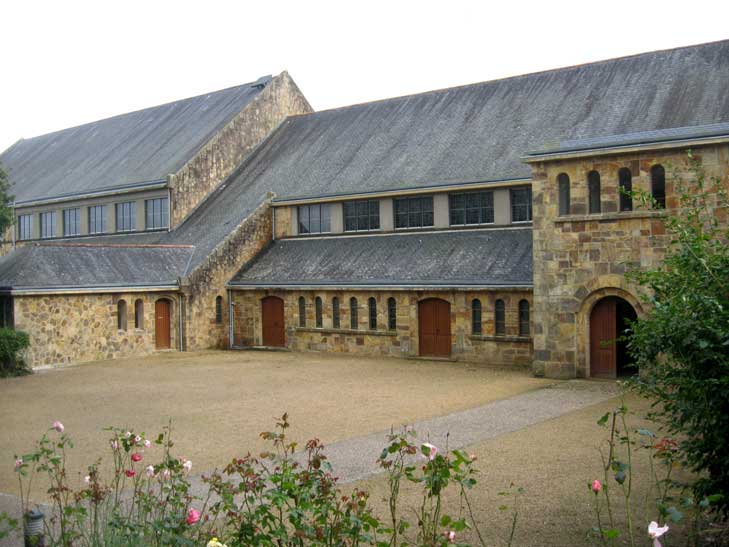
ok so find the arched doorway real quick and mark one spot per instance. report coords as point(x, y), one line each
point(162, 323)
point(272, 318)
point(608, 321)
point(434, 327)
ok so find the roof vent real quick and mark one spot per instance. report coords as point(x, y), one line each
point(262, 82)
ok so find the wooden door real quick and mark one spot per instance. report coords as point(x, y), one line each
point(272, 312)
point(162, 324)
point(434, 323)
point(603, 331)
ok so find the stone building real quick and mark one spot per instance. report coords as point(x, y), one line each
point(480, 223)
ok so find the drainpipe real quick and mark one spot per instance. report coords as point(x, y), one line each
point(179, 326)
point(231, 326)
point(13, 225)
point(273, 230)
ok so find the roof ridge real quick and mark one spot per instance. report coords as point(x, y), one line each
point(506, 78)
point(116, 245)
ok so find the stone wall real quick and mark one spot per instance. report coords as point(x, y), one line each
point(219, 157)
point(506, 350)
point(76, 328)
point(581, 257)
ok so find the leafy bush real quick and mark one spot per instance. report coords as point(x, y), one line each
point(682, 347)
point(12, 343)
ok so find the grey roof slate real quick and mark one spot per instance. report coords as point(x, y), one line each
point(141, 146)
point(58, 266)
point(492, 257)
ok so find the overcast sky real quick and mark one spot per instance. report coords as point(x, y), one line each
point(69, 62)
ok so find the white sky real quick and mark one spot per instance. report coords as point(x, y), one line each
point(64, 63)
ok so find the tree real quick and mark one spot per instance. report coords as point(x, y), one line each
point(682, 346)
point(6, 201)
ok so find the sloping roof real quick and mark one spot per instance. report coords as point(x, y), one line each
point(125, 150)
point(494, 257)
point(480, 132)
point(59, 266)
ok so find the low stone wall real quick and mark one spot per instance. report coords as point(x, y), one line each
point(75, 328)
point(509, 349)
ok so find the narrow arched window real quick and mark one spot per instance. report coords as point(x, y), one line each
point(219, 310)
point(318, 311)
point(625, 181)
point(372, 304)
point(353, 314)
point(138, 314)
point(563, 183)
point(121, 315)
point(476, 316)
point(523, 318)
point(335, 312)
point(658, 186)
point(302, 311)
point(391, 314)
point(593, 189)
point(499, 317)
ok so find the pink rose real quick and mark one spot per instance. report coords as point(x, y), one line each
point(130, 473)
point(187, 465)
point(450, 536)
point(432, 450)
point(136, 457)
point(114, 444)
point(137, 439)
point(18, 463)
point(147, 443)
point(596, 486)
point(58, 426)
point(193, 515)
point(166, 474)
point(149, 471)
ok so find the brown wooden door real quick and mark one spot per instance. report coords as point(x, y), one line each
point(603, 331)
point(272, 311)
point(434, 322)
point(162, 324)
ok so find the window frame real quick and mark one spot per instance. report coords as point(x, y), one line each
point(564, 191)
point(336, 316)
point(658, 179)
point(370, 204)
point(121, 315)
point(25, 222)
point(321, 209)
point(218, 310)
point(625, 183)
point(483, 196)
point(476, 317)
point(125, 210)
point(318, 313)
point(594, 193)
point(159, 218)
point(302, 312)
point(139, 314)
point(499, 317)
point(372, 313)
point(72, 219)
point(527, 205)
point(94, 217)
point(408, 202)
point(43, 221)
point(353, 314)
point(524, 317)
point(391, 314)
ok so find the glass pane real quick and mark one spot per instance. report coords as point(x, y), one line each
point(472, 215)
point(350, 224)
point(325, 218)
point(314, 219)
point(401, 220)
point(304, 220)
point(457, 217)
point(427, 219)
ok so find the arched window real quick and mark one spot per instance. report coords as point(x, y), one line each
point(523, 318)
point(593, 189)
point(391, 314)
point(372, 304)
point(563, 182)
point(335, 312)
point(318, 311)
point(219, 310)
point(121, 315)
point(476, 316)
point(353, 315)
point(658, 185)
point(499, 317)
point(302, 311)
point(138, 314)
point(625, 182)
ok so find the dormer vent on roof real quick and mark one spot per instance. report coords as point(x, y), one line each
point(262, 82)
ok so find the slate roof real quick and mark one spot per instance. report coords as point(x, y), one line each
point(466, 258)
point(125, 150)
point(58, 266)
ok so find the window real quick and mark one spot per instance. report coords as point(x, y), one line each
point(414, 212)
point(523, 318)
point(471, 208)
point(625, 185)
point(219, 310)
point(361, 215)
point(372, 304)
point(25, 227)
point(658, 185)
point(391, 314)
point(302, 311)
point(7, 320)
point(563, 183)
point(138, 314)
point(476, 316)
point(156, 213)
point(125, 216)
point(335, 313)
point(499, 317)
point(48, 224)
point(71, 222)
point(353, 315)
point(121, 315)
point(314, 219)
point(593, 190)
point(318, 310)
point(521, 204)
point(97, 219)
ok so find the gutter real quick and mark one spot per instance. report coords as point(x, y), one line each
point(376, 287)
point(68, 289)
point(126, 189)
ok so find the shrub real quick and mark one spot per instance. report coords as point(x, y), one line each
point(12, 343)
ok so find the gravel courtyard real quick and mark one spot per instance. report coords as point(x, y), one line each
point(219, 402)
